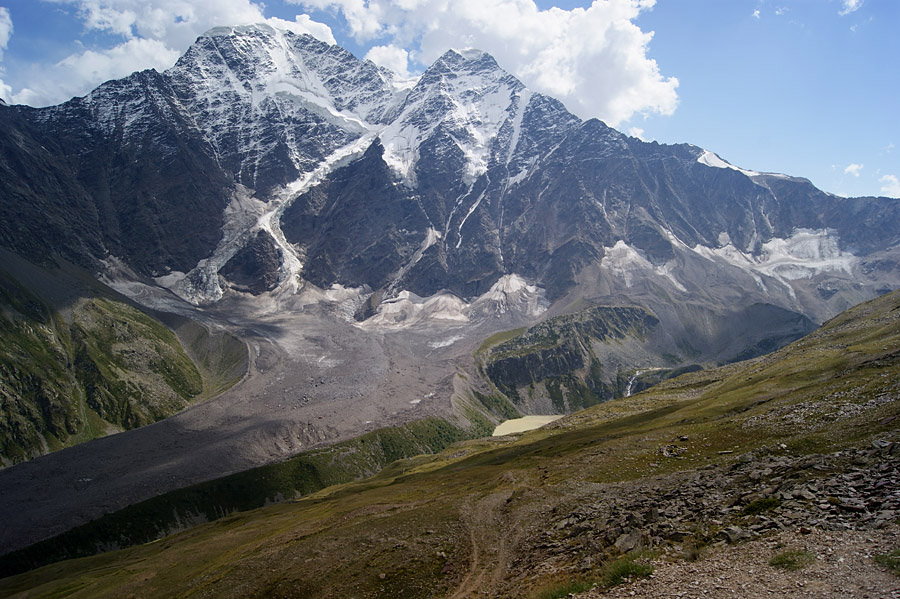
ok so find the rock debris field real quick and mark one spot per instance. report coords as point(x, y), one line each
point(713, 532)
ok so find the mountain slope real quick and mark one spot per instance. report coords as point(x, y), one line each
point(80, 362)
point(515, 514)
point(122, 172)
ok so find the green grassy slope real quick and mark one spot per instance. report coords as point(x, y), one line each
point(82, 366)
point(477, 516)
point(304, 474)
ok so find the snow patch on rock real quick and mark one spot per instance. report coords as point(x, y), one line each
point(627, 263)
point(803, 255)
point(408, 309)
point(710, 159)
point(469, 100)
point(510, 294)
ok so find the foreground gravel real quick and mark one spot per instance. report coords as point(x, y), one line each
point(843, 567)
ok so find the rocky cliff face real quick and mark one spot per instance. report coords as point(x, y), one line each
point(570, 362)
point(122, 172)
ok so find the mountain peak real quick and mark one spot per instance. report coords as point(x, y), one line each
point(467, 57)
point(455, 63)
point(464, 97)
point(275, 103)
point(252, 28)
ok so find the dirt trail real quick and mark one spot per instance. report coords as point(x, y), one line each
point(492, 536)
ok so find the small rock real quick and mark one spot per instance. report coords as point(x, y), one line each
point(629, 541)
point(732, 534)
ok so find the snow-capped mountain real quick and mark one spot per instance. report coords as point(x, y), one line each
point(264, 159)
point(274, 105)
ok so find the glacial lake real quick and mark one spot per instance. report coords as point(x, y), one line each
point(520, 425)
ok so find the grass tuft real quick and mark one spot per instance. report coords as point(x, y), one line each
point(792, 560)
point(891, 561)
point(626, 568)
point(564, 589)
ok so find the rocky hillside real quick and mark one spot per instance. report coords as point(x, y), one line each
point(790, 447)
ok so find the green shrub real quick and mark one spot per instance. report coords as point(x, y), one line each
point(759, 506)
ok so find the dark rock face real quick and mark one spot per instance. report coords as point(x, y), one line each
point(256, 267)
point(122, 171)
point(597, 354)
point(359, 227)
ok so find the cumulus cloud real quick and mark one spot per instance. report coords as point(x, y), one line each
point(175, 22)
point(890, 186)
point(853, 169)
point(304, 24)
point(595, 59)
point(154, 34)
point(849, 6)
point(6, 29)
point(390, 57)
point(79, 73)
point(756, 14)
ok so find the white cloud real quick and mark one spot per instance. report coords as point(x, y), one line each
point(756, 14)
point(850, 6)
point(175, 22)
point(891, 186)
point(853, 169)
point(390, 57)
point(154, 34)
point(595, 59)
point(303, 24)
point(637, 132)
point(6, 29)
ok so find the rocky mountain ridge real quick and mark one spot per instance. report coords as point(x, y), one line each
point(282, 143)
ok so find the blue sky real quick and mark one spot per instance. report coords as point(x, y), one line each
point(805, 87)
